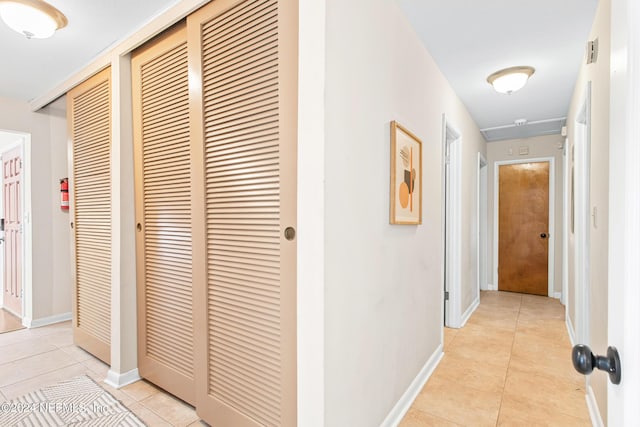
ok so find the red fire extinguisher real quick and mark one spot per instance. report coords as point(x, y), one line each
point(64, 193)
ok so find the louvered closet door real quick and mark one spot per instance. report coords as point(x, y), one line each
point(163, 211)
point(89, 122)
point(244, 56)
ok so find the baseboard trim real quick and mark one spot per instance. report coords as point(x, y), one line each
point(492, 287)
point(402, 406)
point(570, 330)
point(594, 412)
point(558, 295)
point(117, 380)
point(467, 314)
point(45, 321)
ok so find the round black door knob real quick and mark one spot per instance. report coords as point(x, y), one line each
point(543, 235)
point(584, 361)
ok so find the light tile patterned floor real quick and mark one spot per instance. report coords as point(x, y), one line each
point(509, 366)
point(33, 358)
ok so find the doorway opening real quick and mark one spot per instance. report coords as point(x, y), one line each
point(15, 208)
point(15, 225)
point(483, 279)
point(452, 218)
point(581, 217)
point(525, 235)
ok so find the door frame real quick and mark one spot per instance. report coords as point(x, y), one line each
point(551, 232)
point(24, 141)
point(582, 217)
point(451, 216)
point(566, 224)
point(482, 229)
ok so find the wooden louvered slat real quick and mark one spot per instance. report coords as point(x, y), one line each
point(89, 107)
point(163, 210)
point(245, 59)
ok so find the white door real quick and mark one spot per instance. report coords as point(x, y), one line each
point(12, 214)
point(482, 224)
point(452, 250)
point(624, 211)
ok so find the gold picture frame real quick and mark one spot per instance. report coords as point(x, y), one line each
point(406, 177)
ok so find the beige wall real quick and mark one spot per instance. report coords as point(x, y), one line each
point(51, 279)
point(599, 75)
point(383, 283)
point(541, 146)
point(60, 233)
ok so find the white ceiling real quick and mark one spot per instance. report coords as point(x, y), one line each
point(31, 67)
point(470, 39)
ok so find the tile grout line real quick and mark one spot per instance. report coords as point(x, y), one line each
point(506, 376)
point(33, 355)
point(157, 414)
point(37, 375)
point(29, 334)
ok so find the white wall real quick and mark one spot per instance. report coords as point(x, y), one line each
point(383, 283)
point(62, 286)
point(541, 146)
point(51, 266)
point(599, 75)
point(310, 236)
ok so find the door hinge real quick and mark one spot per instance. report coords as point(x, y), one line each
point(446, 295)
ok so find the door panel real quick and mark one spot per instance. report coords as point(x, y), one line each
point(163, 212)
point(244, 56)
point(12, 206)
point(523, 220)
point(89, 122)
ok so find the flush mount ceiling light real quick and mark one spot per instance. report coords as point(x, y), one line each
point(32, 18)
point(510, 79)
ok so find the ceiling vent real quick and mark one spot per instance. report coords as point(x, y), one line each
point(524, 130)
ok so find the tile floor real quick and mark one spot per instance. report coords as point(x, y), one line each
point(509, 366)
point(33, 358)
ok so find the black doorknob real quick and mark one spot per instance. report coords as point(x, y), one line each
point(543, 235)
point(584, 361)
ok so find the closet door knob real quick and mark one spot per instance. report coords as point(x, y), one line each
point(289, 233)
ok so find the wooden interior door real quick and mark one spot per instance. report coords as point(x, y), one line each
point(243, 56)
point(163, 213)
point(89, 129)
point(523, 248)
point(12, 207)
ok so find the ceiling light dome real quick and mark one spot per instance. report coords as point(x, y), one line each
point(32, 18)
point(510, 79)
